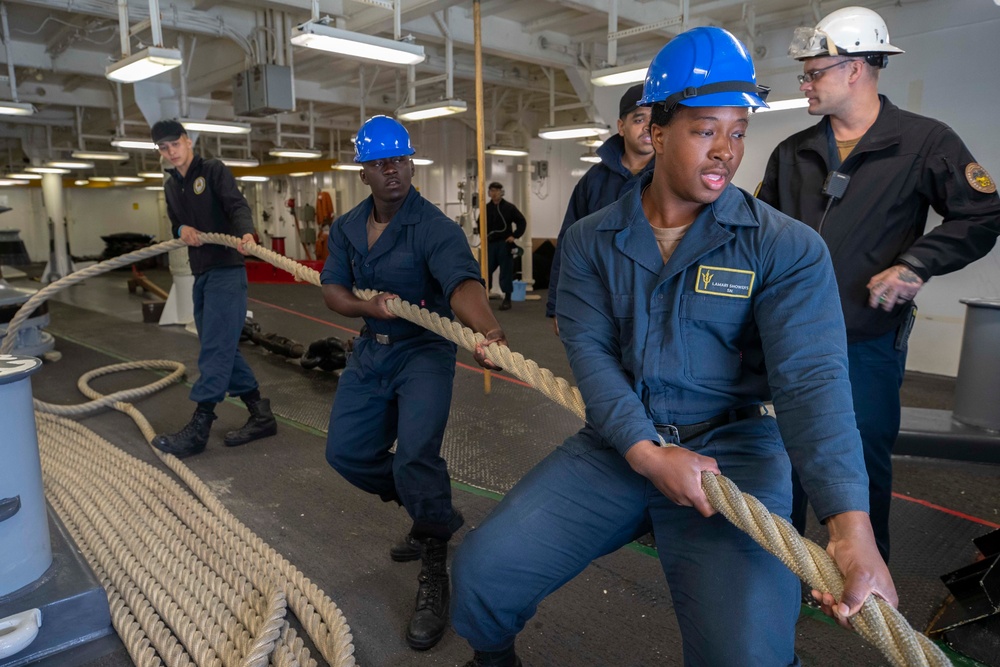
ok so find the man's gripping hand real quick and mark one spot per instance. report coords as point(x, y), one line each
point(675, 471)
point(852, 547)
point(191, 236)
point(246, 241)
point(495, 336)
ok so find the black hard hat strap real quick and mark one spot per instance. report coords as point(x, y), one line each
point(719, 87)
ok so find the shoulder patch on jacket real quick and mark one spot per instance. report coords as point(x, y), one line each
point(722, 281)
point(979, 179)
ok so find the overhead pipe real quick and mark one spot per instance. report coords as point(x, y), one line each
point(154, 22)
point(612, 29)
point(185, 66)
point(123, 28)
point(10, 58)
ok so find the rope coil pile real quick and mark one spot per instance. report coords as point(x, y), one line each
point(878, 622)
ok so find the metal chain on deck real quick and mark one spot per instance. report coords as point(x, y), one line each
point(878, 622)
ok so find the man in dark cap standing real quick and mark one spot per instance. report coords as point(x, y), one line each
point(504, 224)
point(624, 158)
point(202, 197)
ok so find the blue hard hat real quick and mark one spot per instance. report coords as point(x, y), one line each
point(703, 67)
point(381, 137)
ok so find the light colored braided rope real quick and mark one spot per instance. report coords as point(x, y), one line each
point(188, 583)
point(878, 622)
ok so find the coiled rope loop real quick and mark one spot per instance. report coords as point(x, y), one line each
point(878, 622)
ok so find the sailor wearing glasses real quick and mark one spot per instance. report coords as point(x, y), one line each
point(898, 164)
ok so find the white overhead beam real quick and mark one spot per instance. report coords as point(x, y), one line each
point(501, 37)
point(73, 61)
point(41, 94)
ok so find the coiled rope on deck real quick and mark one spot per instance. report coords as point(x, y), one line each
point(186, 581)
point(878, 622)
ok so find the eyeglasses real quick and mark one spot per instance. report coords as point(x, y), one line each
point(396, 162)
point(816, 74)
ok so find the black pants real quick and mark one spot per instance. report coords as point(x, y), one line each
point(499, 254)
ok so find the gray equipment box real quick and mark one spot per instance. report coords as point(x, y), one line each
point(263, 90)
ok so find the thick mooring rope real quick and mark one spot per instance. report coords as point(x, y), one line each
point(188, 583)
point(878, 622)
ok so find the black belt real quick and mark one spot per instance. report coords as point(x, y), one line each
point(687, 431)
point(386, 339)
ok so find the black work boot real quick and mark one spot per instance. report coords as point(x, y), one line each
point(430, 614)
point(505, 304)
point(261, 424)
point(190, 440)
point(407, 549)
point(505, 658)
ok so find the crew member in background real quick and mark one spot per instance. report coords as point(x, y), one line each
point(397, 386)
point(202, 197)
point(504, 224)
point(894, 164)
point(686, 305)
point(624, 158)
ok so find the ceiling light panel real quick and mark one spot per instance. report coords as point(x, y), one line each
point(315, 35)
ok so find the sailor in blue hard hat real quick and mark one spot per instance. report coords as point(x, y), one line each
point(684, 307)
point(396, 388)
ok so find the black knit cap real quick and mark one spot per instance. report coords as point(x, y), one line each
point(630, 100)
point(167, 130)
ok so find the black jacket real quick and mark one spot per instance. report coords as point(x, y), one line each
point(503, 220)
point(903, 165)
point(602, 185)
point(207, 199)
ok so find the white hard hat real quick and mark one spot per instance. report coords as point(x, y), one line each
point(847, 31)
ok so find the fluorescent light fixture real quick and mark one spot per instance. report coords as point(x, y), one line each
point(782, 105)
point(572, 131)
point(304, 153)
point(70, 164)
point(346, 166)
point(134, 144)
point(422, 161)
point(253, 179)
point(100, 155)
point(127, 179)
point(591, 142)
point(432, 110)
point(10, 181)
point(24, 176)
point(100, 179)
point(17, 108)
point(299, 174)
point(314, 35)
point(240, 161)
point(144, 64)
point(590, 157)
point(47, 170)
point(153, 187)
point(215, 126)
point(82, 181)
point(151, 174)
point(505, 150)
point(619, 76)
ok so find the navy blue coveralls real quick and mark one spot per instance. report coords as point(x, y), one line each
point(601, 185)
point(903, 165)
point(743, 311)
point(398, 381)
point(207, 198)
